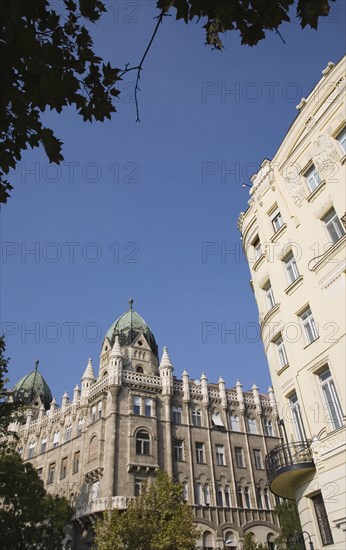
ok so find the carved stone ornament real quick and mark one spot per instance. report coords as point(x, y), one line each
point(325, 156)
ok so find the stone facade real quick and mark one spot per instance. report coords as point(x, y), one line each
point(293, 235)
point(134, 418)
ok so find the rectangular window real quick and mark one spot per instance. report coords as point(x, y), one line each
point(176, 415)
point(291, 268)
point(309, 326)
point(239, 457)
point(269, 295)
point(39, 472)
point(51, 473)
point(312, 177)
point(178, 451)
point(200, 453)
point(63, 471)
point(341, 137)
point(281, 351)
point(56, 438)
point(296, 417)
point(331, 398)
point(333, 226)
point(257, 248)
point(196, 418)
point(76, 460)
point(137, 405)
point(220, 455)
point(258, 459)
point(276, 220)
point(322, 519)
point(99, 409)
point(148, 405)
point(138, 486)
point(68, 433)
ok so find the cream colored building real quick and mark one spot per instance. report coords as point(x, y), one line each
point(293, 235)
point(134, 417)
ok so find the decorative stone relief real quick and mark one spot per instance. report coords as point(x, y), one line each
point(325, 156)
point(294, 184)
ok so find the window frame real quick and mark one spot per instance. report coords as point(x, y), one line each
point(281, 350)
point(341, 138)
point(297, 416)
point(220, 454)
point(239, 457)
point(258, 461)
point(196, 418)
point(291, 268)
point(143, 443)
point(309, 326)
point(276, 220)
point(335, 413)
point(333, 226)
point(200, 452)
point(268, 290)
point(312, 177)
point(178, 450)
point(176, 415)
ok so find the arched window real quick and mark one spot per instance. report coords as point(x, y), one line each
point(56, 438)
point(247, 497)
point(198, 493)
point(240, 497)
point(139, 369)
point(259, 497)
point(80, 427)
point(266, 498)
point(31, 449)
point(271, 541)
point(142, 443)
point(185, 491)
point(251, 425)
point(136, 405)
point(219, 495)
point(176, 415)
point(234, 419)
point(216, 418)
point(68, 433)
point(268, 426)
point(196, 417)
point(44, 444)
point(93, 448)
point(227, 496)
point(206, 494)
point(208, 541)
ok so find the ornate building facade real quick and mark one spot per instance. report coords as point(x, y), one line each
point(293, 235)
point(135, 417)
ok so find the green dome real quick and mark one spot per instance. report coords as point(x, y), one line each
point(128, 326)
point(31, 386)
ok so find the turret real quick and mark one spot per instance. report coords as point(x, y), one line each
point(240, 396)
point(186, 386)
point(222, 392)
point(116, 360)
point(204, 389)
point(256, 397)
point(272, 401)
point(88, 378)
point(166, 373)
point(65, 400)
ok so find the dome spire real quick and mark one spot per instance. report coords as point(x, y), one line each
point(130, 302)
point(36, 364)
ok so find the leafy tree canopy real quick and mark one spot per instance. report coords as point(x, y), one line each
point(47, 61)
point(251, 544)
point(8, 411)
point(290, 524)
point(29, 517)
point(158, 519)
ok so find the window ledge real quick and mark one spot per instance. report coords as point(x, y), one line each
point(278, 233)
point(259, 262)
point(312, 342)
point(280, 371)
point(315, 193)
point(327, 255)
point(269, 314)
point(293, 286)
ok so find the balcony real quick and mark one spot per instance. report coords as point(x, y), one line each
point(101, 504)
point(287, 466)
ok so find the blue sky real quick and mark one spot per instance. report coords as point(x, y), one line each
point(150, 209)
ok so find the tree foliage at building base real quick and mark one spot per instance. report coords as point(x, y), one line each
point(158, 519)
point(29, 517)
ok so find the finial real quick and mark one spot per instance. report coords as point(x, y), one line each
point(36, 364)
point(130, 302)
